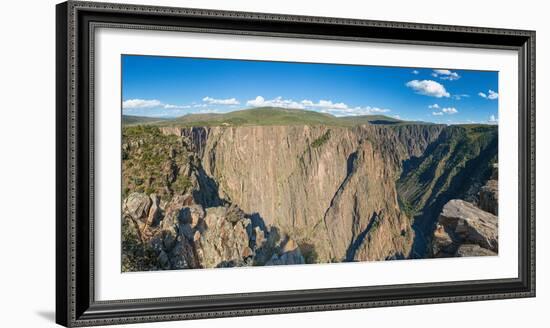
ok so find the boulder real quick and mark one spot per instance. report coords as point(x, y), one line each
point(137, 206)
point(488, 197)
point(468, 224)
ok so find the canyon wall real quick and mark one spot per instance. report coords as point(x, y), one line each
point(329, 187)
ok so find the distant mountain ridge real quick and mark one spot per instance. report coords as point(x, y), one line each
point(265, 116)
point(136, 120)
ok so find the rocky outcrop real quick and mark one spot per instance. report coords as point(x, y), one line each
point(465, 230)
point(184, 235)
point(488, 197)
point(137, 206)
point(225, 241)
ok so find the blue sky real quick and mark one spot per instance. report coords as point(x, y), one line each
point(173, 86)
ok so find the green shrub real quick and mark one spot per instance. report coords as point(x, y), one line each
point(136, 256)
point(321, 140)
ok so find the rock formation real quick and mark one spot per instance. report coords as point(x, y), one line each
point(465, 230)
point(225, 196)
point(488, 194)
point(338, 172)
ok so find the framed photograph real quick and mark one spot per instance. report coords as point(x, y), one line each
point(215, 163)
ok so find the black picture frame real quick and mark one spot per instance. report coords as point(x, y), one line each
point(75, 302)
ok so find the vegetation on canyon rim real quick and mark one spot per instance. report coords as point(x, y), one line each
point(270, 186)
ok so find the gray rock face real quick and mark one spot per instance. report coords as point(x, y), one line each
point(183, 235)
point(471, 224)
point(154, 215)
point(465, 230)
point(137, 205)
point(191, 215)
point(488, 197)
point(272, 195)
point(223, 243)
point(346, 180)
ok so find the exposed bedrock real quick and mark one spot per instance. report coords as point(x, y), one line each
point(465, 230)
point(332, 190)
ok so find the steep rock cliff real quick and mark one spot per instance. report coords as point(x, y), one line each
point(329, 187)
point(223, 195)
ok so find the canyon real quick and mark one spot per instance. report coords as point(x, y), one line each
point(225, 194)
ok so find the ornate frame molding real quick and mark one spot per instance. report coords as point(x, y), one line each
point(76, 24)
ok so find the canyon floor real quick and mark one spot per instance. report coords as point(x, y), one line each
point(270, 186)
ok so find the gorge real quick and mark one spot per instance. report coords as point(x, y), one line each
point(225, 191)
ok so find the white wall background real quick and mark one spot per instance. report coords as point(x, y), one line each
point(27, 161)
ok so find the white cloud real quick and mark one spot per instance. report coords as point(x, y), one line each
point(428, 88)
point(214, 101)
point(355, 111)
point(324, 106)
point(150, 103)
point(460, 96)
point(445, 74)
point(260, 101)
point(415, 72)
point(330, 104)
point(170, 106)
point(443, 111)
point(307, 102)
point(434, 106)
point(492, 95)
point(141, 103)
point(493, 119)
point(449, 110)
